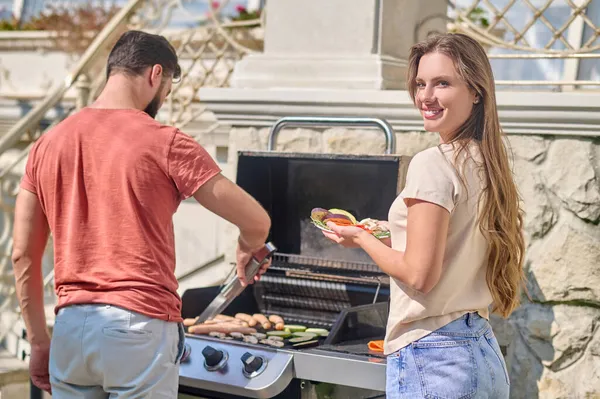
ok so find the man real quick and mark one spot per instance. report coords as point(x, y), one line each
point(106, 183)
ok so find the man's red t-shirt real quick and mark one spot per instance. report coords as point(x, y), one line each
point(109, 182)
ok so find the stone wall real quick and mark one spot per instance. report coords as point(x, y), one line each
point(551, 343)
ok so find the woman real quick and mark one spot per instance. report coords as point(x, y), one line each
point(456, 244)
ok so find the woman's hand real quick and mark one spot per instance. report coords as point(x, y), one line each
point(346, 236)
point(387, 240)
point(384, 223)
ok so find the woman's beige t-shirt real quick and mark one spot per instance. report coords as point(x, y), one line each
point(462, 286)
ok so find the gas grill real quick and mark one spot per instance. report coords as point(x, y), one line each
point(311, 281)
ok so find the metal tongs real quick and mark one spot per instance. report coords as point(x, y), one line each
point(234, 287)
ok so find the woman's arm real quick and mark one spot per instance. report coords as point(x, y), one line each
point(420, 266)
point(387, 241)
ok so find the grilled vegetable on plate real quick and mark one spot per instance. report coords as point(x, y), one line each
point(320, 217)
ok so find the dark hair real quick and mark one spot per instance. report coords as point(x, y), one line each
point(135, 51)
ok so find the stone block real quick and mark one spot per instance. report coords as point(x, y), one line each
point(571, 175)
point(353, 141)
point(528, 148)
point(549, 348)
point(557, 335)
point(581, 379)
point(540, 212)
point(247, 138)
point(411, 143)
point(299, 140)
point(565, 264)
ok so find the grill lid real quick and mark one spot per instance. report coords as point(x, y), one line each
point(290, 185)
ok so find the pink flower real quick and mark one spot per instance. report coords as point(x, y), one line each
point(215, 4)
point(241, 9)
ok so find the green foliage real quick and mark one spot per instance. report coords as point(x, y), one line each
point(74, 19)
point(245, 15)
point(479, 17)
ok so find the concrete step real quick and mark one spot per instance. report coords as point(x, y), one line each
point(15, 391)
point(14, 377)
point(12, 370)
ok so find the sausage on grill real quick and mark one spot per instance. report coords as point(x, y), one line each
point(247, 318)
point(278, 321)
point(262, 319)
point(220, 327)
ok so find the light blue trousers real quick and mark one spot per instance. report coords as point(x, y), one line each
point(461, 360)
point(102, 351)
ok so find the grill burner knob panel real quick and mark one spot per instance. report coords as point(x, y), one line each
point(214, 359)
point(231, 379)
point(253, 365)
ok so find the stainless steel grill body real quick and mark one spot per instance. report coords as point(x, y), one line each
point(283, 367)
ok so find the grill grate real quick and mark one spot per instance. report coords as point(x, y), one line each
point(313, 291)
point(305, 303)
point(287, 286)
point(302, 262)
point(371, 280)
point(306, 317)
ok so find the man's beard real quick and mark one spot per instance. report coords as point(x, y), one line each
point(154, 105)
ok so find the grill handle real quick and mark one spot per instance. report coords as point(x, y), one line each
point(383, 125)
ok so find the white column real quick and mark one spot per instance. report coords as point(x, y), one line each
point(350, 44)
point(252, 5)
point(18, 8)
point(575, 39)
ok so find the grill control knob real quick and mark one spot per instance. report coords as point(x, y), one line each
point(253, 365)
point(214, 359)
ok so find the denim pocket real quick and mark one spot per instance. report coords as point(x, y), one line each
point(495, 347)
point(447, 369)
point(127, 333)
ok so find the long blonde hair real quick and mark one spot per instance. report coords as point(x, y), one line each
point(501, 216)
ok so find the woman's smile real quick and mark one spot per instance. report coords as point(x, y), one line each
point(432, 113)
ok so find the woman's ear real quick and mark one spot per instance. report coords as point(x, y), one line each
point(476, 97)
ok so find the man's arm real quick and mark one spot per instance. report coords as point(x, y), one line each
point(30, 235)
point(229, 201)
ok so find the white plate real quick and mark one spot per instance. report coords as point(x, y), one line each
point(382, 235)
point(321, 228)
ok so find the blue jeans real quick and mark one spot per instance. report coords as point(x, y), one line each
point(458, 361)
point(102, 351)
